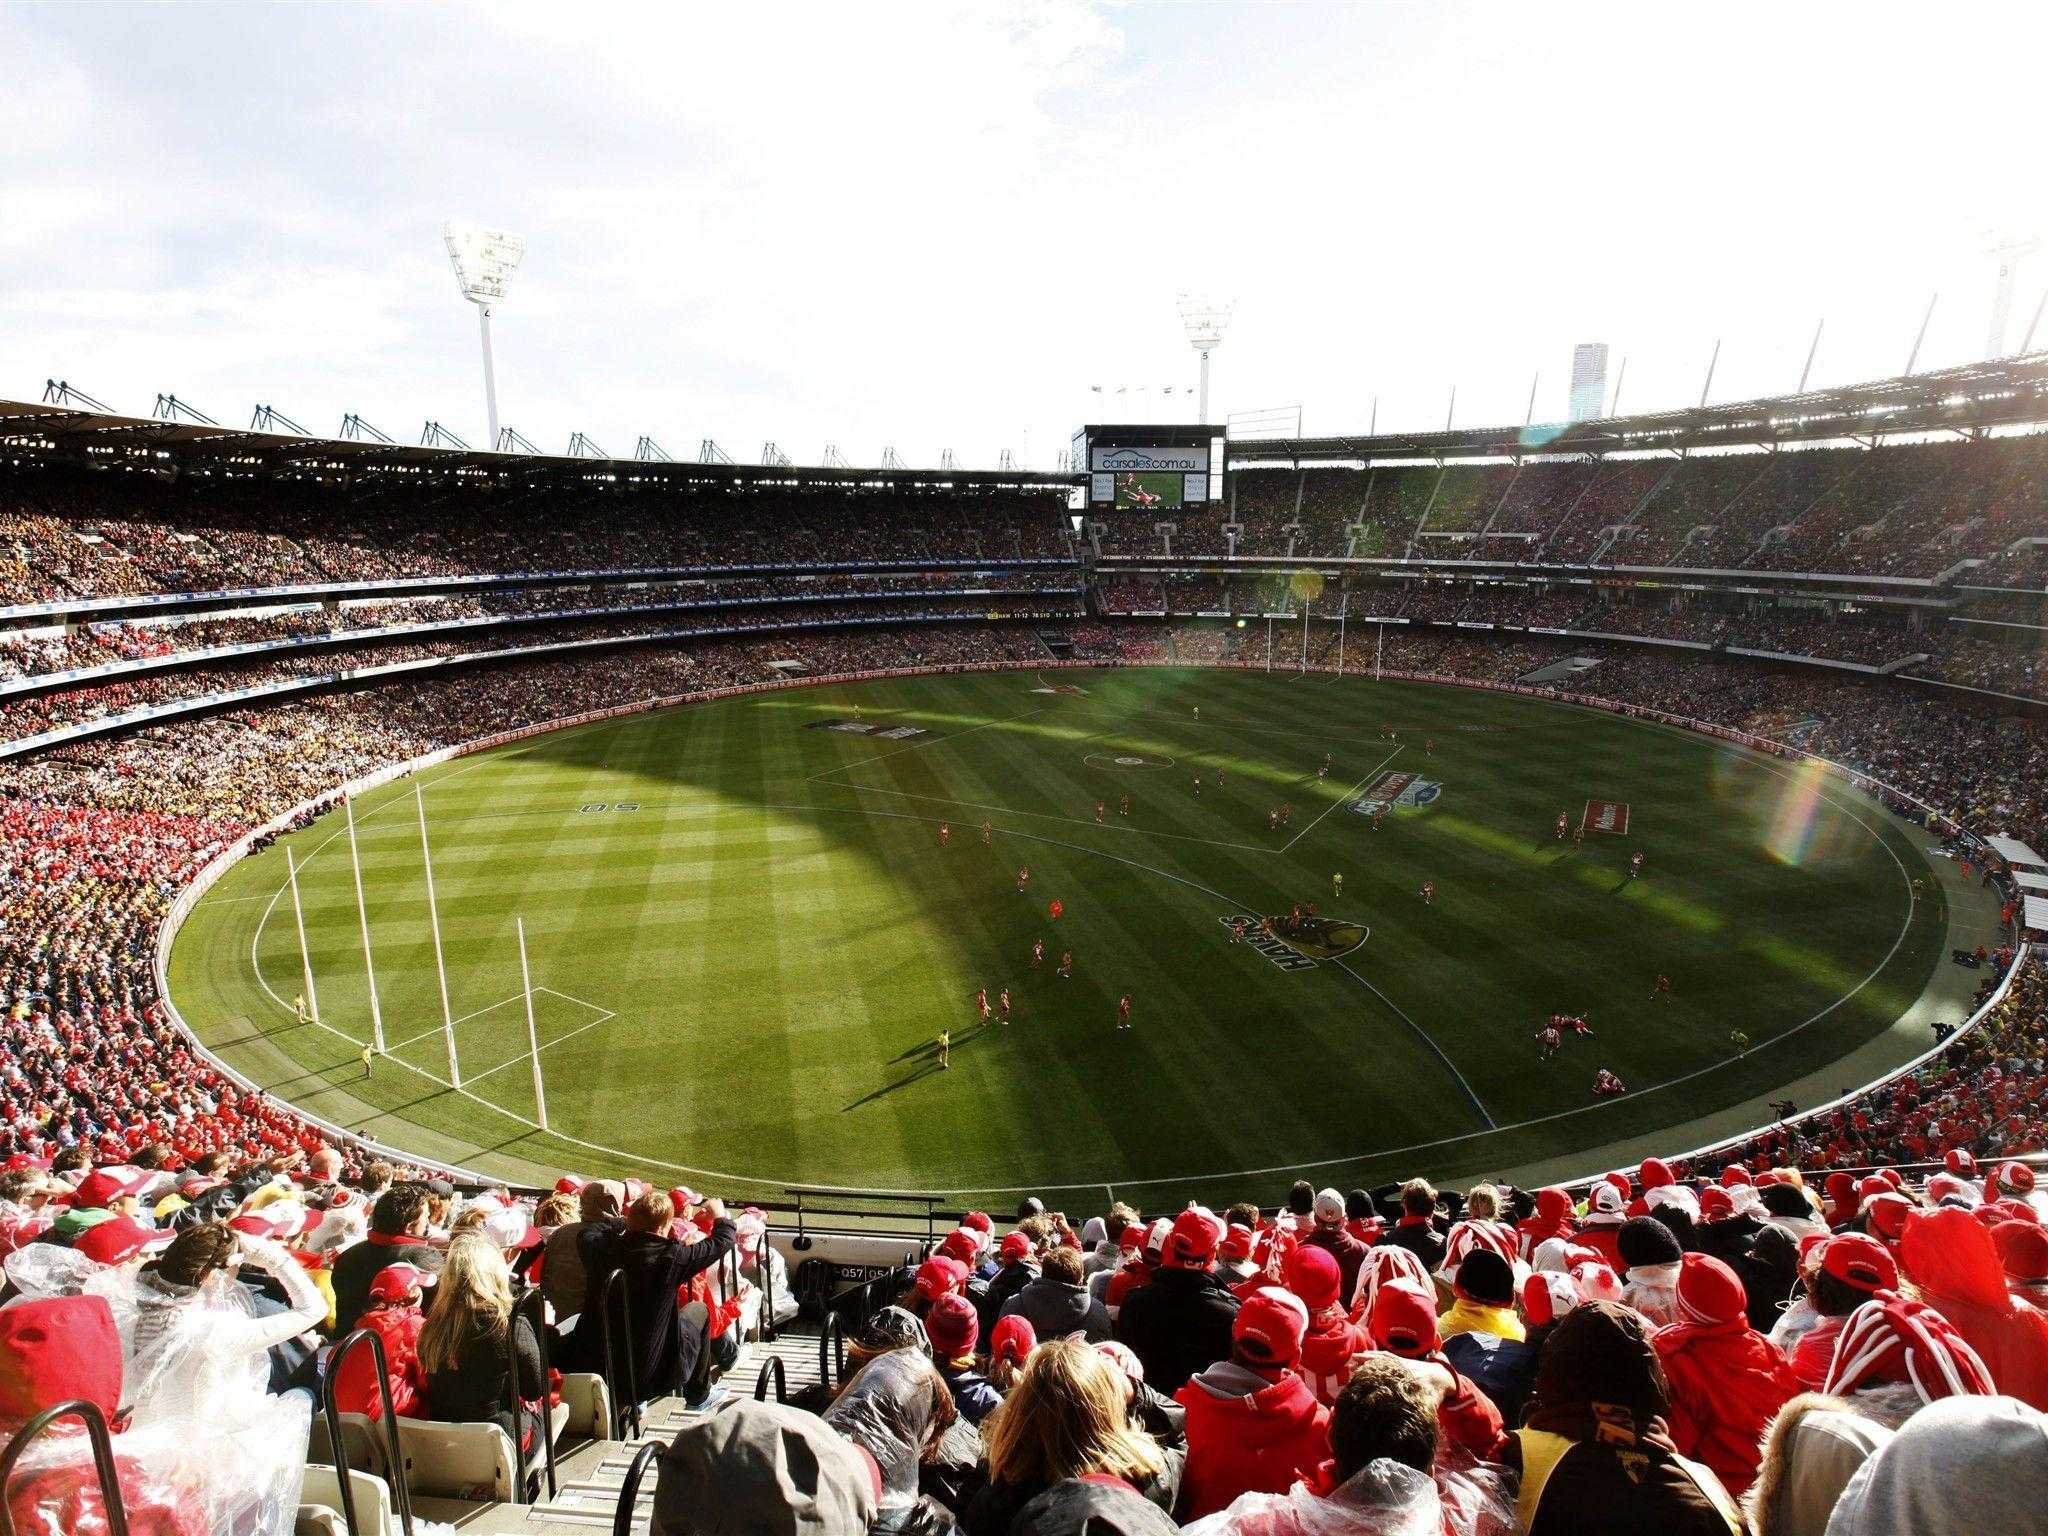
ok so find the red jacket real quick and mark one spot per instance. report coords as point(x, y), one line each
point(1327, 1352)
point(355, 1389)
point(1727, 1383)
point(1950, 1256)
point(1260, 1440)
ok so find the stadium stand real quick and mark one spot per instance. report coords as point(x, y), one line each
point(185, 1255)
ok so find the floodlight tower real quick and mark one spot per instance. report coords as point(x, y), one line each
point(2008, 249)
point(484, 260)
point(1204, 321)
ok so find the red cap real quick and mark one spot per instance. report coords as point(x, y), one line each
point(1013, 1339)
point(395, 1282)
point(980, 1221)
point(1860, 1261)
point(682, 1197)
point(2022, 1250)
point(1236, 1245)
point(1016, 1246)
point(952, 1326)
point(1767, 1178)
point(569, 1184)
point(1192, 1244)
point(1734, 1174)
point(1716, 1204)
point(1403, 1321)
point(1874, 1184)
point(962, 1243)
point(1270, 1326)
point(1886, 1214)
point(119, 1240)
point(1313, 1275)
point(99, 1189)
point(1621, 1183)
point(1132, 1238)
point(1960, 1162)
point(1655, 1173)
point(940, 1276)
point(635, 1188)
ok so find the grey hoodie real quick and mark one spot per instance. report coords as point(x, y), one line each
point(1055, 1309)
point(1971, 1466)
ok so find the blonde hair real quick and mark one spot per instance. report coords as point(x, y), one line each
point(474, 1296)
point(1482, 1203)
point(1065, 1418)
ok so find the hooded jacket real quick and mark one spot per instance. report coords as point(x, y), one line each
point(1950, 1257)
point(656, 1266)
point(1814, 1447)
point(1727, 1383)
point(398, 1330)
point(1960, 1467)
point(1596, 1454)
point(1177, 1325)
point(1055, 1309)
point(1327, 1351)
point(1248, 1432)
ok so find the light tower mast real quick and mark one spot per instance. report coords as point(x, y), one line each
point(1204, 321)
point(484, 261)
point(2008, 249)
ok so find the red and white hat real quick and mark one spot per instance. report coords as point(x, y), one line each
point(1949, 1186)
point(1016, 1247)
point(1709, 1291)
point(99, 1189)
point(1270, 1327)
point(2008, 1181)
point(1960, 1162)
point(1386, 1266)
point(1547, 1296)
point(962, 1243)
point(395, 1282)
point(119, 1240)
point(281, 1221)
point(1894, 1339)
point(1596, 1281)
point(1467, 1235)
point(569, 1184)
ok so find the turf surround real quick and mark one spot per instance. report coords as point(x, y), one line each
point(1369, 1075)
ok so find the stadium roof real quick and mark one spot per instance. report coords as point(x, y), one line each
point(1973, 398)
point(86, 437)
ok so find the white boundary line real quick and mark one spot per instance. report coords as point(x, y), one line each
point(1340, 800)
point(1761, 759)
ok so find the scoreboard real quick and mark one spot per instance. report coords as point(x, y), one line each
point(1145, 469)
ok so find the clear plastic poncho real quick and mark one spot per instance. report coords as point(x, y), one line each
point(887, 1411)
point(1385, 1498)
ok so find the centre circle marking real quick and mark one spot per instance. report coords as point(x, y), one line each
point(1127, 760)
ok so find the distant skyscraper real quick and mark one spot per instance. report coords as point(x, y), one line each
point(1589, 380)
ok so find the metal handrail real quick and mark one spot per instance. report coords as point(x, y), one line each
point(831, 1350)
point(395, 1450)
point(102, 1463)
point(629, 1490)
point(529, 1311)
point(621, 1376)
point(772, 1369)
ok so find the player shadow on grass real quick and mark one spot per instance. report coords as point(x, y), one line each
point(926, 1054)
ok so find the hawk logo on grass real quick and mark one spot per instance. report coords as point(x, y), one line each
point(1607, 816)
point(1297, 947)
point(868, 728)
point(1391, 789)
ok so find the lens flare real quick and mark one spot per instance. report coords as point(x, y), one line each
point(1795, 832)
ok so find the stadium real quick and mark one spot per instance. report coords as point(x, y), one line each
point(1431, 971)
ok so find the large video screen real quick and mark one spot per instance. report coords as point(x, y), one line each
point(1147, 489)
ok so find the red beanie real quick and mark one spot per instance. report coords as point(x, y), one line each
point(1313, 1275)
point(1270, 1327)
point(58, 1348)
point(952, 1326)
point(1709, 1291)
point(1403, 1321)
point(1553, 1205)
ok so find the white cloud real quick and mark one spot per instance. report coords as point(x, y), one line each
point(936, 225)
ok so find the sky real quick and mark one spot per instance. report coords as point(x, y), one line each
point(934, 227)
